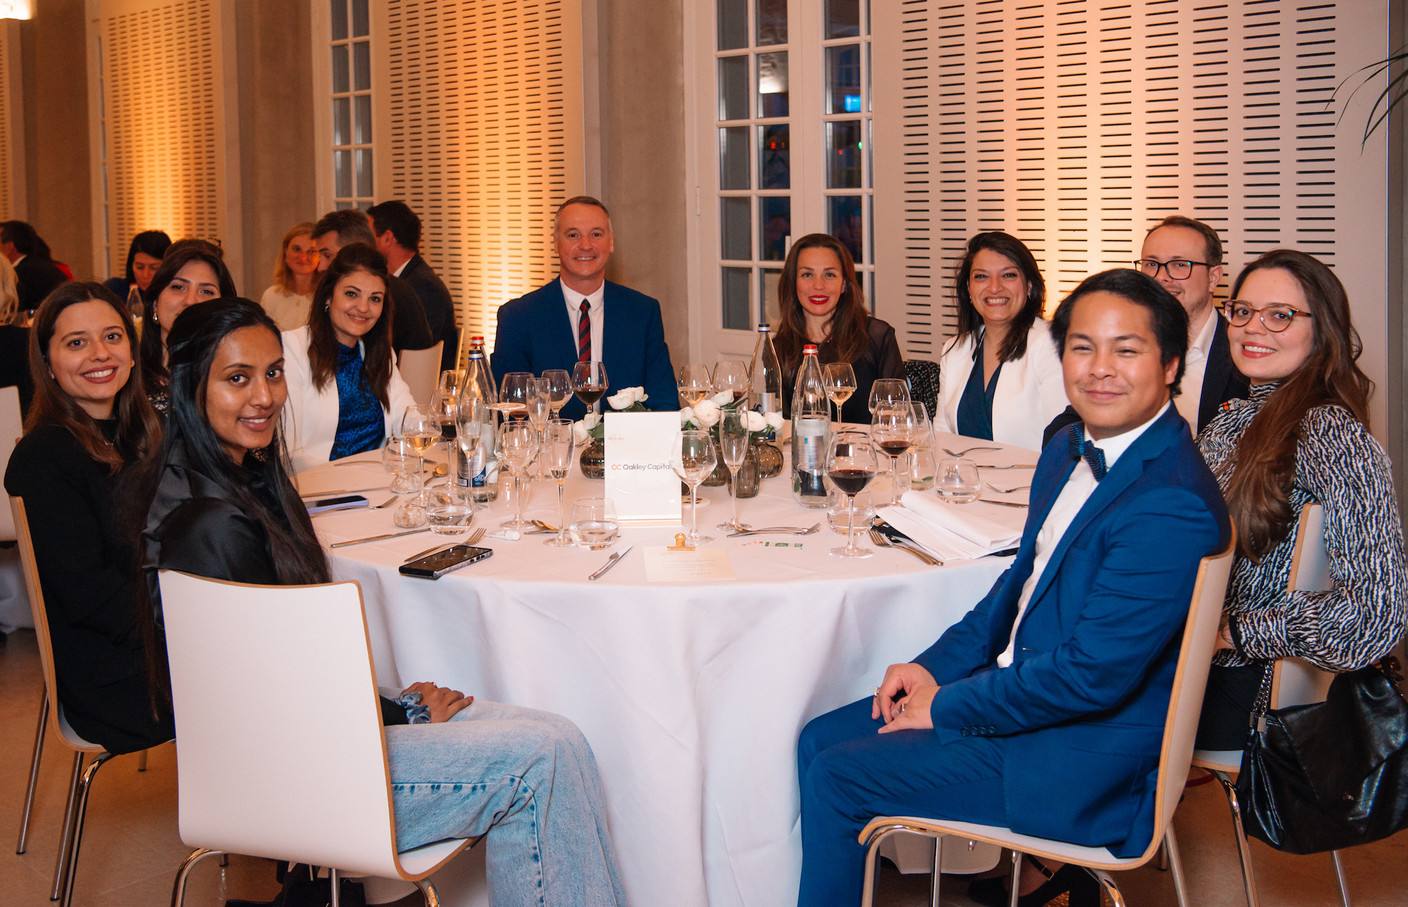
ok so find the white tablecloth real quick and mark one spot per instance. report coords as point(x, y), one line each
point(692, 696)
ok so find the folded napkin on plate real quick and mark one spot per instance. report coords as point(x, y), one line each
point(953, 531)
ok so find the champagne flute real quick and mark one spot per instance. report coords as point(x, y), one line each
point(518, 443)
point(888, 391)
point(851, 464)
point(839, 379)
point(538, 409)
point(589, 383)
point(420, 427)
point(559, 388)
point(517, 387)
point(557, 452)
point(733, 445)
point(732, 375)
point(893, 429)
point(693, 459)
point(694, 383)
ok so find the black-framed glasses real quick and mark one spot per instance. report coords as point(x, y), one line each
point(1275, 317)
point(1178, 268)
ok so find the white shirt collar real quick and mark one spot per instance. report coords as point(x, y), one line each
point(1114, 447)
point(1203, 342)
point(574, 299)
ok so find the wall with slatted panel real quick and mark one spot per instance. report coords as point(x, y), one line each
point(1075, 126)
point(12, 188)
point(481, 131)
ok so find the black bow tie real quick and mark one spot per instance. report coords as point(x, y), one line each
point(1082, 449)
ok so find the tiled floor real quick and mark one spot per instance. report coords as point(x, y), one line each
point(131, 850)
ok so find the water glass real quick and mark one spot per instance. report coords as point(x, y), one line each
point(594, 524)
point(838, 511)
point(957, 480)
point(449, 509)
point(399, 459)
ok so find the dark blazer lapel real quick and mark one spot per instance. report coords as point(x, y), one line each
point(561, 342)
point(1217, 376)
point(1130, 466)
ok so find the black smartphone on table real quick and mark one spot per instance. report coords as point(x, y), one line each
point(436, 565)
point(341, 502)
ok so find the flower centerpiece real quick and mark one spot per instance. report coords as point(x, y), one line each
point(705, 416)
point(589, 434)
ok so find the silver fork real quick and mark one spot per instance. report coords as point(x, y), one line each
point(1008, 490)
point(471, 539)
point(782, 530)
point(966, 450)
point(384, 504)
point(883, 541)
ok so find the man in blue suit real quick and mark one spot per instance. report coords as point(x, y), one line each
point(1043, 709)
point(583, 316)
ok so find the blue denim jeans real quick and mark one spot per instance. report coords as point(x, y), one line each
point(527, 780)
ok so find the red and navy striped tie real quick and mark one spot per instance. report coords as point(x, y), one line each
point(584, 333)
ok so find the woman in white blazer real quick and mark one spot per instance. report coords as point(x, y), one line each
point(345, 394)
point(1000, 377)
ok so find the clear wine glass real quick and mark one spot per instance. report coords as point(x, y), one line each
point(888, 391)
point(514, 392)
point(559, 388)
point(693, 459)
point(850, 464)
point(694, 383)
point(839, 379)
point(518, 443)
point(589, 383)
point(539, 409)
point(732, 375)
point(893, 429)
point(399, 459)
point(420, 427)
point(733, 445)
point(557, 454)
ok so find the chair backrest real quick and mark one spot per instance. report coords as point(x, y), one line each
point(923, 378)
point(280, 749)
point(1295, 681)
point(420, 369)
point(57, 723)
point(1189, 681)
point(11, 424)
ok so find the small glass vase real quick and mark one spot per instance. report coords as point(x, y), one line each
point(769, 459)
point(593, 459)
point(749, 477)
point(720, 474)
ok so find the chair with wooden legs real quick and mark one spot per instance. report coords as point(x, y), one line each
point(1181, 723)
point(262, 773)
point(1294, 681)
point(51, 715)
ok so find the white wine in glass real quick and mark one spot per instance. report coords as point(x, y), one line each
point(839, 379)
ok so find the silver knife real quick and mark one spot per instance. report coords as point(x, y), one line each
point(337, 491)
point(377, 538)
point(612, 561)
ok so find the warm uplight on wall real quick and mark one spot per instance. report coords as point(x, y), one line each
point(16, 9)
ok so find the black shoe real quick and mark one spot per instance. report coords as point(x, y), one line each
point(1084, 890)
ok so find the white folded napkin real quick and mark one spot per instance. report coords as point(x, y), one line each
point(954, 531)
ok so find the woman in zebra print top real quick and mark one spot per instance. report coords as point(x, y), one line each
point(1301, 437)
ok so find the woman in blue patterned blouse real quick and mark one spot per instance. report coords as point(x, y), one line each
point(1301, 437)
point(345, 393)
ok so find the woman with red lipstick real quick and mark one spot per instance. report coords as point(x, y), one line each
point(89, 422)
point(1301, 437)
point(345, 394)
point(820, 301)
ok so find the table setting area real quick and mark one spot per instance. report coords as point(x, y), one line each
point(689, 666)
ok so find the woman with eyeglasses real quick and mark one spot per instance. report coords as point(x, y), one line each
point(1000, 377)
point(1301, 437)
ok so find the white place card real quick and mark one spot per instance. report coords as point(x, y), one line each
point(639, 477)
point(691, 565)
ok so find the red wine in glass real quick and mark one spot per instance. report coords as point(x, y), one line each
point(851, 482)
point(894, 449)
point(590, 394)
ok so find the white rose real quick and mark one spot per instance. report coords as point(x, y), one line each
point(686, 415)
point(622, 399)
point(591, 420)
point(579, 433)
point(723, 398)
point(774, 420)
point(706, 413)
point(640, 394)
point(756, 422)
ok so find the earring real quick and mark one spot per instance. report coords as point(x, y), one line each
point(327, 306)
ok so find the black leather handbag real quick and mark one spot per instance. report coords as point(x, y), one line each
point(1332, 774)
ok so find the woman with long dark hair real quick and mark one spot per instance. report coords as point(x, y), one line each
point(144, 256)
point(89, 422)
point(193, 271)
point(290, 297)
point(819, 300)
point(1301, 437)
point(224, 508)
point(1000, 376)
point(345, 392)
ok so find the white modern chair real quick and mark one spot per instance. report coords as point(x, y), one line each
point(420, 369)
point(1190, 678)
point(1294, 681)
point(53, 718)
point(262, 768)
point(11, 426)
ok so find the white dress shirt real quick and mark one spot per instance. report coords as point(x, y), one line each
point(1079, 487)
point(595, 309)
point(1195, 366)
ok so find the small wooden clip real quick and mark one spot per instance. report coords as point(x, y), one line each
point(679, 544)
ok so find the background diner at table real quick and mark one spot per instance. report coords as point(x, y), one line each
point(193, 271)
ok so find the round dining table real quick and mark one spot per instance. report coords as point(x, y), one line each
point(691, 693)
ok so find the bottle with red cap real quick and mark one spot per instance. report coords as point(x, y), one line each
point(811, 432)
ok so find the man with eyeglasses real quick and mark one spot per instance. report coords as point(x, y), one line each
point(1185, 256)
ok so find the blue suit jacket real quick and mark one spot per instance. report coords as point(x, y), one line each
point(534, 334)
point(1083, 704)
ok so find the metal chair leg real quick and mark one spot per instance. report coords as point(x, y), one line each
point(1339, 877)
point(432, 899)
point(936, 878)
point(66, 834)
point(84, 787)
point(1244, 851)
point(178, 890)
point(1108, 886)
point(867, 897)
point(1170, 850)
point(142, 761)
point(1014, 897)
point(34, 770)
point(332, 878)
